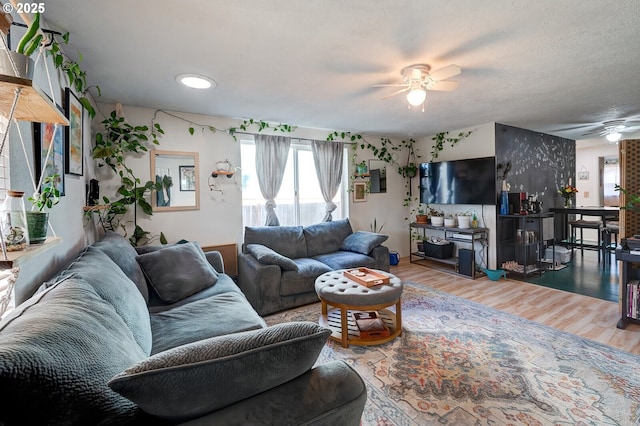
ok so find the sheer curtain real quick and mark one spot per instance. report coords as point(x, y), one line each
point(271, 159)
point(327, 157)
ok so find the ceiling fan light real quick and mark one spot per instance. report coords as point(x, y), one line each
point(416, 96)
point(614, 137)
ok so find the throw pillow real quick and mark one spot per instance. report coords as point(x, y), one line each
point(266, 256)
point(362, 242)
point(197, 378)
point(177, 271)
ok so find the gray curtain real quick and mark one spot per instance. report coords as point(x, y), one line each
point(327, 157)
point(271, 159)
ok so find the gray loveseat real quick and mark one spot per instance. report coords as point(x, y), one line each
point(162, 337)
point(278, 265)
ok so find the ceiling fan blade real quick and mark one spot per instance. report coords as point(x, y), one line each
point(395, 93)
point(446, 72)
point(595, 132)
point(630, 129)
point(390, 85)
point(445, 86)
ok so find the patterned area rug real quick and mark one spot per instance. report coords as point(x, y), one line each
point(462, 363)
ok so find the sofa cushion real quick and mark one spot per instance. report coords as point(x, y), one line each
point(111, 283)
point(120, 250)
point(287, 240)
point(326, 237)
point(204, 376)
point(346, 259)
point(266, 256)
point(213, 316)
point(224, 285)
point(58, 350)
point(302, 280)
point(178, 271)
point(362, 242)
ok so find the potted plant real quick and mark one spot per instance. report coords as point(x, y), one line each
point(464, 220)
point(421, 216)
point(449, 221)
point(362, 167)
point(27, 45)
point(37, 218)
point(437, 217)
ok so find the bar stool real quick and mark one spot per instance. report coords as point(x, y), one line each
point(582, 225)
point(609, 230)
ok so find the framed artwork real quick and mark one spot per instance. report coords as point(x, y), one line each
point(48, 148)
point(359, 192)
point(583, 175)
point(73, 132)
point(187, 178)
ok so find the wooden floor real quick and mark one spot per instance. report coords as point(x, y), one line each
point(584, 316)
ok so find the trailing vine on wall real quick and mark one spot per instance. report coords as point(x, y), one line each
point(442, 138)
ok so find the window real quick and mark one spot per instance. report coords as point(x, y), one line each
point(299, 200)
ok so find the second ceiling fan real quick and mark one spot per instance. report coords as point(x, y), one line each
point(418, 78)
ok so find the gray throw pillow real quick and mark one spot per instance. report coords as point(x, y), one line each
point(266, 256)
point(178, 271)
point(197, 378)
point(362, 242)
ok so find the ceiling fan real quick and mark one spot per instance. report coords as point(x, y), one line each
point(418, 78)
point(612, 129)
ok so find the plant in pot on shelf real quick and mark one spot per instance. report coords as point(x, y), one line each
point(37, 218)
point(437, 217)
point(449, 221)
point(464, 220)
point(421, 215)
point(27, 45)
point(362, 168)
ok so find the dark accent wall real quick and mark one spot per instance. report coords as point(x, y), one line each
point(540, 163)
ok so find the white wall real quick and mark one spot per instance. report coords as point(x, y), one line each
point(219, 219)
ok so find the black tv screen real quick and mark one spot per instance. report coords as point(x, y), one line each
point(470, 181)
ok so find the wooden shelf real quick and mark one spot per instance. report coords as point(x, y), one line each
point(33, 104)
point(97, 208)
point(16, 258)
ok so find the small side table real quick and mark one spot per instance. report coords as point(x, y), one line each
point(346, 296)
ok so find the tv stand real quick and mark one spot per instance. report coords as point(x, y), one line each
point(461, 237)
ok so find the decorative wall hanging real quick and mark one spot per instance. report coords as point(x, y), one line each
point(49, 161)
point(359, 192)
point(583, 174)
point(74, 144)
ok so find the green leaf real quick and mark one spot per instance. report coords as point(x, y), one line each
point(191, 130)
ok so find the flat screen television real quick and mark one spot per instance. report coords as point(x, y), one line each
point(471, 181)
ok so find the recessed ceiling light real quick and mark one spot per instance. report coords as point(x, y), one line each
point(196, 81)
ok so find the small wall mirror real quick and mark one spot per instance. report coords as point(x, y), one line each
point(177, 171)
point(378, 172)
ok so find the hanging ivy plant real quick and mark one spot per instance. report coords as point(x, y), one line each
point(442, 138)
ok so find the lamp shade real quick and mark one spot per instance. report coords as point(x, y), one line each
point(416, 96)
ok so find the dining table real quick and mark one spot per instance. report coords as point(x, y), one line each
point(604, 213)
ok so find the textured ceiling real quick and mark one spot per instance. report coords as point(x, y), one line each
point(559, 67)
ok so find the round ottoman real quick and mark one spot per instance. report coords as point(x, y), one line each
point(348, 297)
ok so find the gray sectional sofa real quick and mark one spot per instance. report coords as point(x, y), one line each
point(278, 265)
point(162, 336)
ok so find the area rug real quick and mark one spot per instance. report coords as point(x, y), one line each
point(462, 363)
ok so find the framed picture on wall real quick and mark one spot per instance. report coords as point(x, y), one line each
point(73, 132)
point(359, 192)
point(48, 148)
point(187, 178)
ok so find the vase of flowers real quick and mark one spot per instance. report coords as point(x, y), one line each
point(568, 192)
